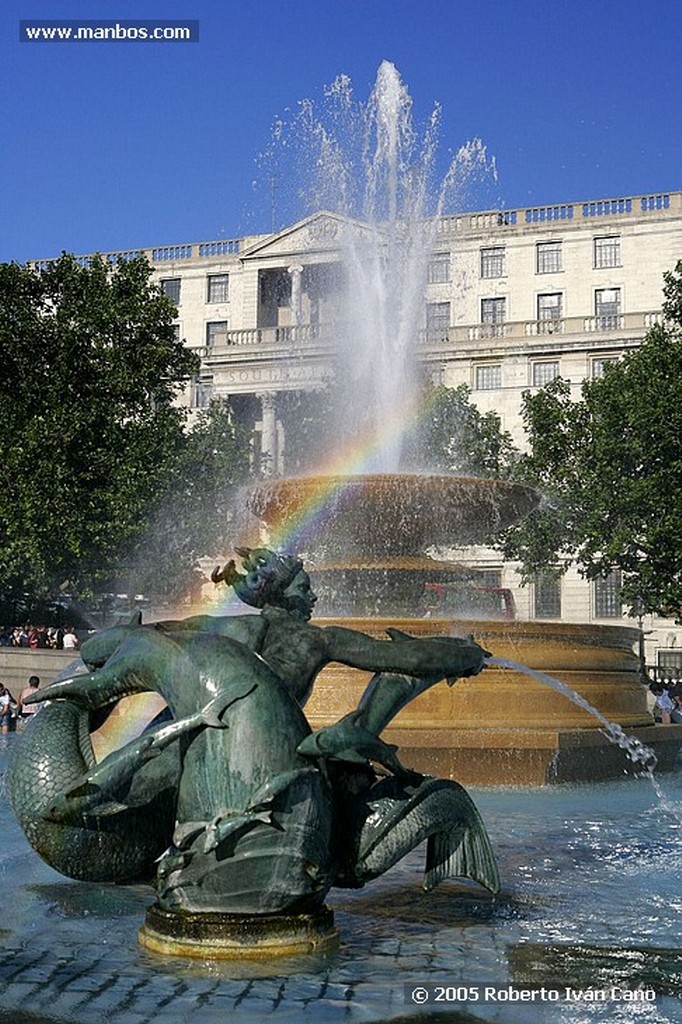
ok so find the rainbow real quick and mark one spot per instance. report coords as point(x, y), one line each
point(359, 456)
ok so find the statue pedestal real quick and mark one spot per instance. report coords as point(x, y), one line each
point(237, 936)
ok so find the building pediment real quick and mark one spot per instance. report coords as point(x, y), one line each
point(322, 232)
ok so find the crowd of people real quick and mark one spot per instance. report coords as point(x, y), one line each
point(53, 638)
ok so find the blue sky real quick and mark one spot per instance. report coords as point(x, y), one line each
point(118, 145)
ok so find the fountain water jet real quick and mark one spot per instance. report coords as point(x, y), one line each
point(373, 166)
point(369, 535)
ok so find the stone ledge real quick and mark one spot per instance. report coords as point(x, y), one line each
point(530, 757)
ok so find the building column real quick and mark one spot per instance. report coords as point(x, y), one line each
point(268, 445)
point(295, 273)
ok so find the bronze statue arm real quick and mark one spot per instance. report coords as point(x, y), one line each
point(436, 656)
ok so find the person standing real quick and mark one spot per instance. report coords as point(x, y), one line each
point(26, 711)
point(70, 641)
point(7, 709)
point(663, 703)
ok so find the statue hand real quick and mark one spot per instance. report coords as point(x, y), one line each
point(228, 574)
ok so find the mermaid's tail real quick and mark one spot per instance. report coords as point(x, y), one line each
point(399, 818)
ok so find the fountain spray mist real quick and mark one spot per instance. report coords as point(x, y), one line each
point(371, 164)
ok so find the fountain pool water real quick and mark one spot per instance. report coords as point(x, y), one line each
point(589, 901)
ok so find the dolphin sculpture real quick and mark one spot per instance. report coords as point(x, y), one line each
point(243, 807)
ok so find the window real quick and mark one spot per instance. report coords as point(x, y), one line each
point(607, 597)
point(171, 286)
point(670, 658)
point(544, 372)
point(547, 596)
point(550, 306)
point(438, 269)
point(216, 333)
point(598, 365)
point(218, 288)
point(548, 256)
point(488, 377)
point(493, 261)
point(437, 319)
point(607, 251)
point(607, 307)
point(669, 665)
point(493, 313)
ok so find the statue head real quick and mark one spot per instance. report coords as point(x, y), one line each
point(270, 579)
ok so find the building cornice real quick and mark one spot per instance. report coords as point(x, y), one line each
point(601, 214)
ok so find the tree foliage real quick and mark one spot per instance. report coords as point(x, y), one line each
point(454, 436)
point(611, 467)
point(89, 370)
point(196, 513)
point(308, 418)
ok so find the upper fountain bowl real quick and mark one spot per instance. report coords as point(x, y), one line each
point(391, 513)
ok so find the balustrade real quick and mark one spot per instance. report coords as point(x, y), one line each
point(299, 334)
point(478, 332)
point(459, 337)
point(539, 214)
point(540, 327)
point(607, 207)
point(245, 336)
point(172, 252)
point(458, 224)
point(225, 247)
point(655, 202)
point(124, 256)
point(609, 322)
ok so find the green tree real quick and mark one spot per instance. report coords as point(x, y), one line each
point(308, 418)
point(454, 436)
point(611, 467)
point(198, 512)
point(89, 372)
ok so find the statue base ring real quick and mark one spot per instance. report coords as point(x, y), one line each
point(237, 936)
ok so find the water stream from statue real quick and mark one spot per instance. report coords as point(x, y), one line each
point(637, 752)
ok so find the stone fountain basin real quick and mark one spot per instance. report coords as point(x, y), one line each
point(597, 661)
point(400, 513)
point(503, 727)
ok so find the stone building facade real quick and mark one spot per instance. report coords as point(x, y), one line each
point(513, 298)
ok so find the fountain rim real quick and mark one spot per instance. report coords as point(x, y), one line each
point(582, 633)
point(432, 508)
point(286, 488)
point(381, 477)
